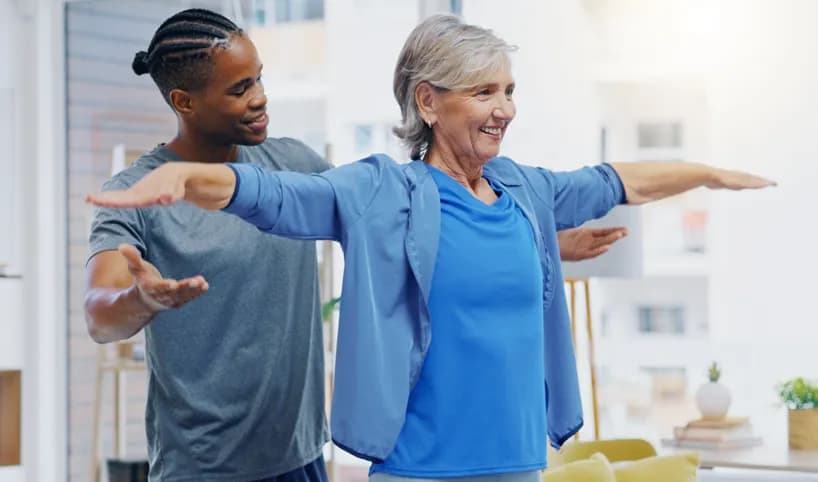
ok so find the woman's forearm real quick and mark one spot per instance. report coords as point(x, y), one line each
point(650, 181)
point(209, 186)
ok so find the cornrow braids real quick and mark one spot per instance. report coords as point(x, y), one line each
point(179, 55)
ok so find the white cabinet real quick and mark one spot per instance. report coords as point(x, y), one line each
point(12, 474)
point(11, 323)
point(11, 362)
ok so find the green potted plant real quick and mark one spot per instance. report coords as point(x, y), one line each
point(801, 398)
point(713, 398)
point(328, 307)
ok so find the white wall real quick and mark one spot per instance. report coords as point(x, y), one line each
point(557, 117)
point(11, 348)
point(764, 104)
point(10, 241)
point(31, 52)
point(11, 322)
point(757, 62)
point(364, 38)
point(557, 122)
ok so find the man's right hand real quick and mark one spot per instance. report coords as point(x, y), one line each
point(156, 292)
point(124, 292)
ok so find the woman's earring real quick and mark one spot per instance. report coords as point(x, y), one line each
point(428, 124)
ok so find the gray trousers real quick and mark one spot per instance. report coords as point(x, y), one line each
point(532, 476)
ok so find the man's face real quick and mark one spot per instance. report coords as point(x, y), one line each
point(231, 108)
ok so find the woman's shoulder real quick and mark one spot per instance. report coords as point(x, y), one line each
point(369, 172)
point(533, 179)
point(285, 153)
point(507, 170)
point(378, 164)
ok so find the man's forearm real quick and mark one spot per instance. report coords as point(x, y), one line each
point(650, 181)
point(116, 314)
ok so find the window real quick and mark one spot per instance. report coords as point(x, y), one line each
point(662, 319)
point(269, 12)
point(659, 135)
point(363, 138)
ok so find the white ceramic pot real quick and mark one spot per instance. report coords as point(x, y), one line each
point(713, 400)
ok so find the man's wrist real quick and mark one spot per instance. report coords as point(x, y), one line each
point(149, 301)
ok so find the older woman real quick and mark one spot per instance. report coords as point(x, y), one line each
point(454, 354)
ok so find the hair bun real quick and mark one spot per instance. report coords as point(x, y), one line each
point(140, 63)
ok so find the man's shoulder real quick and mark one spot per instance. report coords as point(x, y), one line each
point(134, 172)
point(285, 153)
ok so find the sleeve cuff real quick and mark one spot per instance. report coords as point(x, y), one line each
point(614, 181)
point(245, 194)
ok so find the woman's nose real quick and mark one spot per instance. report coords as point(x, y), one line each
point(505, 110)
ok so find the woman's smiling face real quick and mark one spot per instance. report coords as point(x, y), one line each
point(471, 123)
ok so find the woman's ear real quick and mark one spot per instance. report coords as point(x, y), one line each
point(426, 101)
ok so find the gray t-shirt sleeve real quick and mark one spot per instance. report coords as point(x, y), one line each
point(112, 227)
point(309, 159)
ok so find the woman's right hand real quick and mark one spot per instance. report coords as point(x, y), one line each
point(209, 186)
point(164, 185)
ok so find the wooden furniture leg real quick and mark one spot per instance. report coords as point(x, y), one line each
point(572, 305)
point(10, 406)
point(97, 416)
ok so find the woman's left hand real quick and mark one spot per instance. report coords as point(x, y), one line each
point(738, 180)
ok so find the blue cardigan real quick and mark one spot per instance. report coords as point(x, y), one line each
point(387, 218)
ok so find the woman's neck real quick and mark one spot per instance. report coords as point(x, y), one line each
point(467, 172)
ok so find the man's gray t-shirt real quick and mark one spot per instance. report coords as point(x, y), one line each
point(235, 379)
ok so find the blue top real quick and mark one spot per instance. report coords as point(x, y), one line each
point(482, 374)
point(387, 218)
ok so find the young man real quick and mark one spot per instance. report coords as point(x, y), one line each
point(235, 389)
point(235, 384)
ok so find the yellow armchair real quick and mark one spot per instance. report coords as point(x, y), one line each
point(634, 460)
point(594, 469)
point(615, 450)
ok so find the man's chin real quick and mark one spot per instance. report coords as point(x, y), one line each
point(253, 140)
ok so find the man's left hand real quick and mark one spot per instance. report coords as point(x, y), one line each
point(581, 243)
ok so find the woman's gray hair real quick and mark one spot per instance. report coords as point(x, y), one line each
point(449, 55)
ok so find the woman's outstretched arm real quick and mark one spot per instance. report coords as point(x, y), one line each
point(290, 204)
point(209, 186)
point(649, 181)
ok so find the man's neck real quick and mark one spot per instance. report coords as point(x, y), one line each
point(198, 151)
